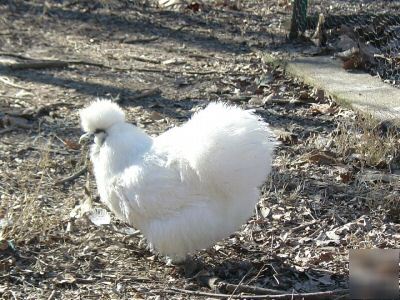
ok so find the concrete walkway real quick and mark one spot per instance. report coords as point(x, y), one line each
point(356, 89)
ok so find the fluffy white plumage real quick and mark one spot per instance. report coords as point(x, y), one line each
point(187, 188)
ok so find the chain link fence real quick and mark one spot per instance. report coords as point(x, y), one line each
point(365, 34)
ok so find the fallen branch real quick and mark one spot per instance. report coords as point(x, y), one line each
point(39, 64)
point(197, 293)
point(73, 176)
point(289, 296)
point(214, 283)
point(56, 63)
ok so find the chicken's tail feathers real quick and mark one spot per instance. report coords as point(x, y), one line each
point(100, 115)
point(230, 147)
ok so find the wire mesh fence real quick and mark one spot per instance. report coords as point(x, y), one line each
point(365, 34)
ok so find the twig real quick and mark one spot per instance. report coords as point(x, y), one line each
point(58, 151)
point(7, 81)
point(10, 97)
point(201, 56)
point(144, 59)
point(128, 236)
point(289, 296)
point(73, 176)
point(85, 280)
point(214, 283)
point(20, 56)
point(7, 129)
point(138, 40)
point(197, 293)
point(53, 293)
point(241, 288)
point(237, 288)
point(302, 226)
point(316, 232)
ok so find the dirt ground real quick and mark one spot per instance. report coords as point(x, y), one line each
point(335, 184)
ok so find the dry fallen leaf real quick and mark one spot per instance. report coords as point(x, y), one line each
point(172, 4)
point(79, 210)
point(65, 278)
point(6, 264)
point(322, 158)
point(194, 6)
point(323, 109)
point(9, 121)
point(323, 257)
point(99, 216)
point(71, 144)
point(155, 116)
point(332, 235)
point(265, 211)
point(270, 97)
point(3, 245)
point(318, 94)
point(287, 138)
point(304, 95)
point(345, 175)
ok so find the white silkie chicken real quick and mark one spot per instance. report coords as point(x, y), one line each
point(187, 188)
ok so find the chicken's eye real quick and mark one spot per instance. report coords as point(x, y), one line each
point(99, 131)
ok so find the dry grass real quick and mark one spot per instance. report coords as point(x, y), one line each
point(375, 143)
point(372, 147)
point(27, 215)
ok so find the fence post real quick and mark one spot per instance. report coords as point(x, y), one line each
point(299, 18)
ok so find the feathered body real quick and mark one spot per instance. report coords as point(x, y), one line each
point(187, 188)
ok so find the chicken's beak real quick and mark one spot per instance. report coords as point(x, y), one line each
point(85, 138)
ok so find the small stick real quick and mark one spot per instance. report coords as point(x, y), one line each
point(58, 151)
point(316, 232)
point(7, 129)
point(73, 176)
point(7, 81)
point(302, 226)
point(144, 59)
point(14, 55)
point(215, 283)
point(242, 288)
point(138, 40)
point(288, 296)
point(53, 293)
